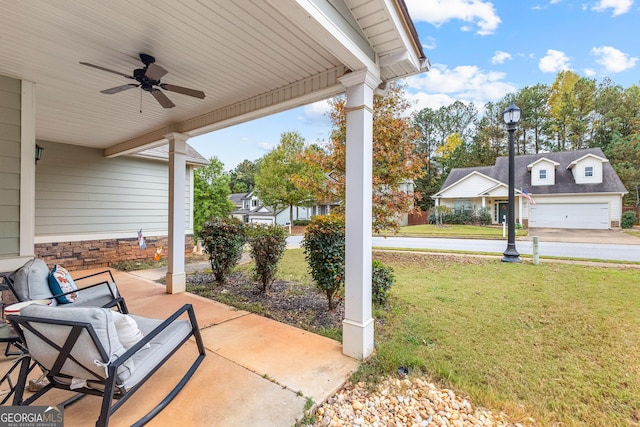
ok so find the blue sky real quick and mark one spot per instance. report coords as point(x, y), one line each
point(479, 51)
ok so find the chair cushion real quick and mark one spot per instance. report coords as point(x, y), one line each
point(162, 345)
point(60, 282)
point(84, 351)
point(31, 281)
point(95, 296)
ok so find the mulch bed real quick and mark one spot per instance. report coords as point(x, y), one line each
point(297, 304)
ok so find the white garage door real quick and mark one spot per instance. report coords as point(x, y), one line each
point(578, 215)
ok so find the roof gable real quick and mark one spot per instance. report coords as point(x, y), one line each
point(470, 185)
point(542, 160)
point(587, 156)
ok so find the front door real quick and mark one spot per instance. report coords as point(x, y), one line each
point(502, 212)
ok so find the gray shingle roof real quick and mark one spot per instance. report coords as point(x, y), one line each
point(192, 156)
point(564, 178)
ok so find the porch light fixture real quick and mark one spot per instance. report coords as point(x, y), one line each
point(511, 118)
point(38, 153)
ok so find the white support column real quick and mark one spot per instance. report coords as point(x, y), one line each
point(27, 168)
point(484, 202)
point(357, 326)
point(176, 276)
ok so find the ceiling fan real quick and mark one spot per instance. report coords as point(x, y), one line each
point(148, 79)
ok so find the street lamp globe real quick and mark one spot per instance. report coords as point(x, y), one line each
point(512, 114)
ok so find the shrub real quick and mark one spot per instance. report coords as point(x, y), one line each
point(484, 217)
point(267, 244)
point(629, 218)
point(222, 240)
point(301, 222)
point(323, 246)
point(382, 279)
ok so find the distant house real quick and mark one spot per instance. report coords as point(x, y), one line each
point(249, 209)
point(570, 189)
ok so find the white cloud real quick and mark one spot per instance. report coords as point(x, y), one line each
point(553, 62)
point(266, 146)
point(437, 12)
point(500, 57)
point(441, 86)
point(429, 43)
point(317, 110)
point(613, 60)
point(590, 72)
point(620, 7)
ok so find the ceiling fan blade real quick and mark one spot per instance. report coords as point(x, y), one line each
point(108, 70)
point(119, 89)
point(183, 90)
point(155, 72)
point(162, 98)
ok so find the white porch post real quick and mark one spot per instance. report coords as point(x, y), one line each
point(484, 202)
point(27, 168)
point(357, 326)
point(176, 276)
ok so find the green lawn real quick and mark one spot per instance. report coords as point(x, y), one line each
point(469, 231)
point(556, 342)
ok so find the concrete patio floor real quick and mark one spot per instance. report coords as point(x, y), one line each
point(256, 372)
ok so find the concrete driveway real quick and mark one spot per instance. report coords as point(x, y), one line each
point(582, 236)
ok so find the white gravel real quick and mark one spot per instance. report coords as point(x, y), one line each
point(404, 402)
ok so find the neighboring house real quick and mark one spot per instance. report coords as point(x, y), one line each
point(250, 209)
point(570, 189)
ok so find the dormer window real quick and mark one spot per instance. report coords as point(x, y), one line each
point(543, 174)
point(588, 171)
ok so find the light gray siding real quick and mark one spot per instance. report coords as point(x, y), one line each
point(10, 92)
point(80, 192)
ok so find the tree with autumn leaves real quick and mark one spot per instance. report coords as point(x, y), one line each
point(396, 162)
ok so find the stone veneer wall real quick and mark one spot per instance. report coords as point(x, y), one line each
point(87, 254)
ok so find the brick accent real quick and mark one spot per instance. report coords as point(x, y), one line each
point(525, 222)
point(87, 254)
point(615, 224)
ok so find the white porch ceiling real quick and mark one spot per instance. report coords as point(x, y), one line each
point(250, 57)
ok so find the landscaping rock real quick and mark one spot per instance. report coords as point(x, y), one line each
point(402, 403)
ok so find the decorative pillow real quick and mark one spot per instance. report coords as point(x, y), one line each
point(127, 329)
point(31, 281)
point(60, 282)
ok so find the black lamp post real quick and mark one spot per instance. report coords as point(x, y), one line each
point(511, 117)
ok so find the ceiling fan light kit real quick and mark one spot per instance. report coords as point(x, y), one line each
point(148, 79)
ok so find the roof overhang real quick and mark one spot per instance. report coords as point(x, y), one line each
point(251, 59)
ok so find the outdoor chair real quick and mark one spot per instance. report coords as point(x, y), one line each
point(91, 351)
point(31, 282)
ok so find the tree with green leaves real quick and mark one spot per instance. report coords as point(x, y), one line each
point(275, 185)
point(210, 194)
point(242, 177)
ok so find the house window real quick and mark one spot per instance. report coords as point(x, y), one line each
point(588, 171)
point(254, 203)
point(462, 207)
point(543, 174)
point(246, 204)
